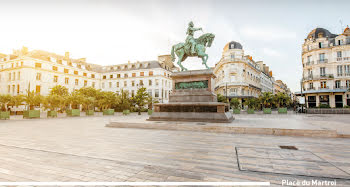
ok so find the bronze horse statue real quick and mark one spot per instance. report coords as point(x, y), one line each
point(183, 51)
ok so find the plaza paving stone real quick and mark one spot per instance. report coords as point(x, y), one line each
point(83, 149)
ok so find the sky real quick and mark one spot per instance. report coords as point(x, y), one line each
point(115, 32)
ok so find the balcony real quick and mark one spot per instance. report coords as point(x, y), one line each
point(339, 58)
point(310, 63)
point(323, 88)
point(326, 76)
point(322, 61)
point(339, 87)
point(312, 88)
point(346, 58)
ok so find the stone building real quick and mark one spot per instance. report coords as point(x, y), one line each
point(239, 76)
point(326, 68)
point(39, 71)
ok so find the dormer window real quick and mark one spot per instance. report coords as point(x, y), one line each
point(340, 42)
point(232, 46)
point(320, 35)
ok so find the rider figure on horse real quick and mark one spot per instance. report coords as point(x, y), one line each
point(190, 40)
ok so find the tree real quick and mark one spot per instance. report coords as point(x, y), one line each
point(222, 98)
point(32, 100)
point(74, 100)
point(90, 97)
point(251, 103)
point(4, 101)
point(281, 99)
point(235, 104)
point(107, 99)
point(266, 99)
point(59, 90)
point(125, 100)
point(53, 102)
point(16, 100)
point(141, 99)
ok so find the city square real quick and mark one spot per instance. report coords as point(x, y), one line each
point(174, 93)
point(83, 149)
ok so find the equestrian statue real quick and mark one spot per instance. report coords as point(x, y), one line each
point(192, 47)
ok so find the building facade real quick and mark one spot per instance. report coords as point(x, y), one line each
point(39, 71)
point(326, 68)
point(239, 76)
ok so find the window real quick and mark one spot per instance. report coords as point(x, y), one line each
point(133, 74)
point(347, 70)
point(164, 74)
point(347, 83)
point(141, 82)
point(38, 76)
point(150, 73)
point(232, 56)
point(118, 75)
point(104, 76)
point(66, 70)
point(339, 70)
point(150, 82)
point(320, 45)
point(156, 93)
point(66, 80)
point(323, 84)
point(85, 74)
point(311, 85)
point(14, 76)
point(55, 78)
point(85, 82)
point(54, 68)
point(19, 75)
point(132, 93)
point(157, 82)
point(75, 72)
point(111, 76)
point(125, 83)
point(37, 65)
point(92, 75)
point(9, 76)
point(309, 59)
point(21, 63)
point(37, 89)
point(322, 71)
point(117, 84)
point(339, 54)
point(110, 84)
point(142, 74)
point(132, 83)
point(76, 82)
point(150, 92)
point(125, 75)
point(93, 84)
point(321, 57)
point(337, 84)
point(17, 88)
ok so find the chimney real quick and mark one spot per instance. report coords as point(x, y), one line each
point(66, 55)
point(270, 73)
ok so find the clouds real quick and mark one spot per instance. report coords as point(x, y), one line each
point(265, 33)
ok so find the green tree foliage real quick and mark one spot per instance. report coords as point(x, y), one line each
point(141, 99)
point(281, 99)
point(266, 99)
point(251, 103)
point(4, 101)
point(222, 98)
point(53, 102)
point(59, 90)
point(125, 100)
point(107, 99)
point(17, 100)
point(235, 103)
point(33, 99)
point(74, 100)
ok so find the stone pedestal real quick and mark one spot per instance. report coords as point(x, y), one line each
point(192, 99)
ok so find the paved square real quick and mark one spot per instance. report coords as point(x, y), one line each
point(83, 149)
point(282, 161)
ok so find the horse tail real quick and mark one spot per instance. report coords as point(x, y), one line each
point(172, 53)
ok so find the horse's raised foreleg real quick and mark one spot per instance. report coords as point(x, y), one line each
point(180, 55)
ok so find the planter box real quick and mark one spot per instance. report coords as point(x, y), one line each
point(250, 111)
point(126, 112)
point(4, 114)
point(52, 113)
point(31, 114)
point(267, 110)
point(73, 112)
point(150, 112)
point(236, 111)
point(282, 110)
point(90, 112)
point(108, 112)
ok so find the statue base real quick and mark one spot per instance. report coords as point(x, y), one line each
point(192, 99)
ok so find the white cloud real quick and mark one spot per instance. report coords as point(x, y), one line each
point(266, 33)
point(272, 52)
